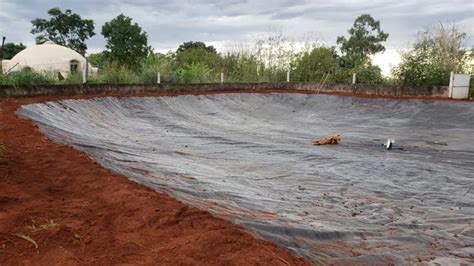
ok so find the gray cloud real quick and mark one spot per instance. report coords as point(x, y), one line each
point(169, 23)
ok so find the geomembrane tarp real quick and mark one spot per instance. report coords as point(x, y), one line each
point(249, 158)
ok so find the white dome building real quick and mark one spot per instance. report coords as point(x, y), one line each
point(48, 58)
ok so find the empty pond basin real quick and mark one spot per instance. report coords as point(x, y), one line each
point(249, 158)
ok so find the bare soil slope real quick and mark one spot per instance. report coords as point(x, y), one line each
point(80, 213)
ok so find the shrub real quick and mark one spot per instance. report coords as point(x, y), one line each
point(315, 65)
point(158, 63)
point(73, 78)
point(115, 74)
point(436, 53)
point(368, 74)
point(240, 67)
point(195, 73)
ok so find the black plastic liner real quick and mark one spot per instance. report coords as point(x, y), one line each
point(249, 158)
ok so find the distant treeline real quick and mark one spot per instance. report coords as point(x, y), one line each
point(437, 51)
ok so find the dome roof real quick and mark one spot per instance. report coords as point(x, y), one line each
point(48, 57)
point(46, 53)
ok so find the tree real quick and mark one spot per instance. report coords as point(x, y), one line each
point(469, 62)
point(190, 53)
point(195, 45)
point(126, 43)
point(10, 50)
point(240, 67)
point(365, 40)
point(67, 29)
point(436, 53)
point(98, 59)
point(368, 74)
point(316, 64)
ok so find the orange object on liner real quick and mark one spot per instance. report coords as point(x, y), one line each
point(334, 139)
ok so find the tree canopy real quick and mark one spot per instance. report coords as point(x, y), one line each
point(11, 49)
point(195, 45)
point(436, 53)
point(67, 29)
point(316, 64)
point(126, 43)
point(97, 59)
point(197, 53)
point(365, 38)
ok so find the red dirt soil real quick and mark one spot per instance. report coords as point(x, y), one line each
point(80, 213)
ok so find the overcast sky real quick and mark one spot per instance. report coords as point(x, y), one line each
point(221, 23)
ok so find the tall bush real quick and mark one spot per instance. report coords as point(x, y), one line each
point(240, 67)
point(315, 65)
point(436, 53)
point(115, 74)
point(195, 73)
point(155, 63)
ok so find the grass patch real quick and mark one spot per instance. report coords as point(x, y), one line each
point(35, 227)
point(25, 77)
point(115, 74)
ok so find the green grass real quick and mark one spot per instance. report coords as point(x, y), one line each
point(25, 77)
point(74, 78)
point(115, 74)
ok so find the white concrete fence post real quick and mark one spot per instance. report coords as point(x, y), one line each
point(288, 76)
point(450, 88)
point(222, 77)
point(84, 73)
point(354, 78)
point(459, 86)
point(158, 78)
